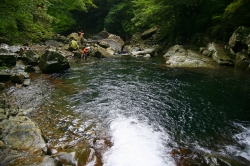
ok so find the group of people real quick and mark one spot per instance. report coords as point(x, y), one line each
point(74, 46)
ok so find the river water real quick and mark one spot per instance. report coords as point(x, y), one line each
point(147, 110)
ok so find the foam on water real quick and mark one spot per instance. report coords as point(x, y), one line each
point(136, 143)
point(243, 139)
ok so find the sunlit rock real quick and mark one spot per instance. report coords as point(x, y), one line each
point(177, 56)
point(21, 133)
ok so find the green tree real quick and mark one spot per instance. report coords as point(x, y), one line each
point(22, 20)
point(118, 19)
point(63, 12)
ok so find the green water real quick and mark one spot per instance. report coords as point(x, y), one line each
point(205, 110)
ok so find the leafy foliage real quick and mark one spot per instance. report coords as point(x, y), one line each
point(122, 25)
point(25, 20)
point(22, 20)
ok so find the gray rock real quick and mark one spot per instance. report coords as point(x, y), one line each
point(23, 134)
point(17, 78)
point(30, 57)
point(53, 61)
point(5, 75)
point(242, 61)
point(103, 44)
point(2, 85)
point(50, 161)
point(220, 55)
point(177, 56)
point(143, 52)
point(101, 35)
point(8, 58)
point(240, 39)
point(26, 82)
point(101, 52)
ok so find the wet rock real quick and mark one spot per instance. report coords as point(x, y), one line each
point(220, 55)
point(2, 85)
point(184, 157)
point(18, 74)
point(13, 110)
point(115, 42)
point(17, 78)
point(142, 53)
point(7, 58)
point(177, 56)
point(21, 133)
point(100, 52)
point(26, 82)
point(3, 115)
point(5, 75)
point(14, 49)
point(242, 62)
point(49, 161)
point(53, 61)
point(103, 44)
point(30, 57)
point(240, 39)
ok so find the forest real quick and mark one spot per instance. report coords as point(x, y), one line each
point(37, 20)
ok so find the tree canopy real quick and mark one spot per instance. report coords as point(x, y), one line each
point(33, 20)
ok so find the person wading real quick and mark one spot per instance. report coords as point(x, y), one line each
point(85, 53)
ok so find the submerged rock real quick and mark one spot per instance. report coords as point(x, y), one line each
point(23, 134)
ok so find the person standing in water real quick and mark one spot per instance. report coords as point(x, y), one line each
point(81, 34)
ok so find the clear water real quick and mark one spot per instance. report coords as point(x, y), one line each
point(148, 109)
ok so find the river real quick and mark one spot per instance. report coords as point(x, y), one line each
point(146, 110)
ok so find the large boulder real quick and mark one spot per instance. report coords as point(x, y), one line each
point(240, 40)
point(23, 134)
point(218, 54)
point(53, 61)
point(101, 35)
point(7, 59)
point(177, 56)
point(100, 52)
point(30, 57)
point(5, 75)
point(142, 53)
point(115, 42)
point(242, 62)
point(18, 74)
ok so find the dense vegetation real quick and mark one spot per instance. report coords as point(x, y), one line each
point(25, 20)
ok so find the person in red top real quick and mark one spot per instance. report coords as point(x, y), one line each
point(85, 52)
